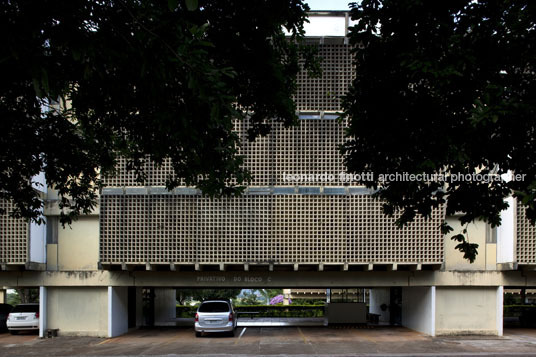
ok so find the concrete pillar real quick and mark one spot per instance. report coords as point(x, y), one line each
point(380, 297)
point(117, 310)
point(419, 309)
point(500, 310)
point(3, 296)
point(140, 319)
point(165, 307)
point(286, 296)
point(42, 311)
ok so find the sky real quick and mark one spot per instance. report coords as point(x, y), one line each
point(326, 26)
point(329, 4)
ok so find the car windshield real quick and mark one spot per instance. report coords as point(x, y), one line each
point(214, 307)
point(26, 308)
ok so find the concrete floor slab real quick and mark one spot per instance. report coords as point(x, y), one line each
point(271, 341)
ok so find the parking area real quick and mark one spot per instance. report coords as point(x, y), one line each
point(273, 341)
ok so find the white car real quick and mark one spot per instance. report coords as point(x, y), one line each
point(215, 316)
point(23, 317)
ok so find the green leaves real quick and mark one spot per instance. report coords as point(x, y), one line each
point(457, 80)
point(191, 5)
point(172, 4)
point(469, 250)
point(139, 78)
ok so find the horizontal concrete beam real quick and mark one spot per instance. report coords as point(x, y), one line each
point(261, 279)
point(252, 190)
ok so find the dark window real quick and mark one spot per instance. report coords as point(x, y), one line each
point(26, 308)
point(214, 307)
point(5, 308)
point(52, 230)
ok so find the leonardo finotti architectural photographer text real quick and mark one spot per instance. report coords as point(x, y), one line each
point(344, 177)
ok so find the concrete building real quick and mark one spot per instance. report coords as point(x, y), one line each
point(297, 226)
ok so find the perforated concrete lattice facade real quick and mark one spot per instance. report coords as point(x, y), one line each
point(278, 229)
point(526, 238)
point(304, 214)
point(13, 237)
point(323, 93)
point(311, 148)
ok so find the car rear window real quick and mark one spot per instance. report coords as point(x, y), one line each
point(4, 308)
point(214, 307)
point(26, 308)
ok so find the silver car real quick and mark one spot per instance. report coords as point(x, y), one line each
point(215, 316)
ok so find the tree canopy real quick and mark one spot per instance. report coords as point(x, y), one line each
point(447, 88)
point(184, 295)
point(85, 82)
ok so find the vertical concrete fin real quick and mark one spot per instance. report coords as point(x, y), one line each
point(42, 311)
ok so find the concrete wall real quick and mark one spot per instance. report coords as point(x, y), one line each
point(506, 234)
point(418, 309)
point(476, 233)
point(52, 257)
point(378, 297)
point(164, 307)
point(78, 245)
point(491, 256)
point(468, 310)
point(79, 311)
point(117, 310)
point(37, 242)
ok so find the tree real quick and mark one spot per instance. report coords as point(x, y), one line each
point(268, 294)
point(23, 296)
point(250, 297)
point(445, 87)
point(84, 82)
point(184, 295)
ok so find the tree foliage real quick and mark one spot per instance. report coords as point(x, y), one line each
point(184, 295)
point(250, 297)
point(84, 82)
point(445, 87)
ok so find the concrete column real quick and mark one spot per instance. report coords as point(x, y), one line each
point(165, 307)
point(419, 309)
point(117, 310)
point(286, 296)
point(42, 311)
point(379, 297)
point(3, 296)
point(140, 319)
point(500, 310)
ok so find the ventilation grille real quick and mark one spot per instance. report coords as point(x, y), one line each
point(526, 238)
point(13, 237)
point(323, 93)
point(311, 149)
point(261, 229)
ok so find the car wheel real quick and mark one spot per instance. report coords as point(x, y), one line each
point(14, 332)
point(197, 334)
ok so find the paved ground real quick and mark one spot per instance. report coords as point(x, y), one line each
point(262, 321)
point(283, 341)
